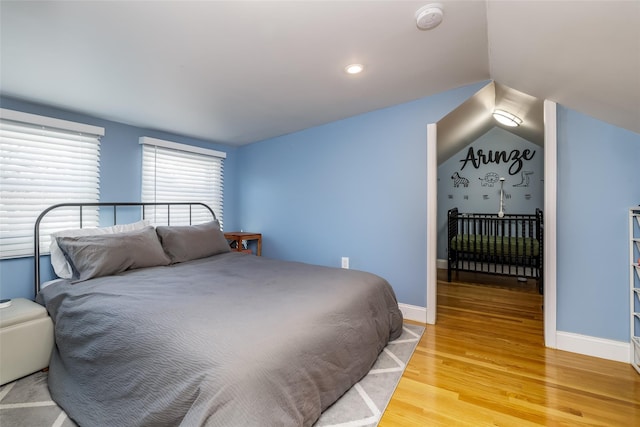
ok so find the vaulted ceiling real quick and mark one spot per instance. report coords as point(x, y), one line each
point(236, 72)
point(474, 117)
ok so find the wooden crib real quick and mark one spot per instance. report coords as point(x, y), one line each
point(510, 245)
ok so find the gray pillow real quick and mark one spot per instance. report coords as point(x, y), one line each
point(59, 262)
point(107, 254)
point(184, 243)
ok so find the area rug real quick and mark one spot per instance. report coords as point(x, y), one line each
point(27, 402)
point(364, 403)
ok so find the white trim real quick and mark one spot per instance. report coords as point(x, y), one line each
point(432, 222)
point(550, 223)
point(550, 215)
point(442, 264)
point(593, 346)
point(145, 140)
point(413, 312)
point(34, 119)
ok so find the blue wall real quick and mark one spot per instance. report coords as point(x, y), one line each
point(598, 181)
point(120, 177)
point(523, 193)
point(355, 188)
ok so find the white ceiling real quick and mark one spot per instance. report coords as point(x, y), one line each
point(473, 118)
point(237, 72)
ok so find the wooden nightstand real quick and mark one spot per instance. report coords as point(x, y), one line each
point(239, 236)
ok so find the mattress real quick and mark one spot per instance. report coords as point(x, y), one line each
point(496, 245)
point(229, 340)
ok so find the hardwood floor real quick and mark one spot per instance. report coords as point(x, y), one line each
point(484, 363)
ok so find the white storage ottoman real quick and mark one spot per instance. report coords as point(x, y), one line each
point(26, 339)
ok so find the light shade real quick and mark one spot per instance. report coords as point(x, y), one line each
point(507, 118)
point(354, 68)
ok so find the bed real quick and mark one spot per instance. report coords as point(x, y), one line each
point(511, 244)
point(226, 339)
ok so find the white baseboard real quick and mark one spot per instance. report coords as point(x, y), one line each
point(442, 264)
point(413, 312)
point(594, 346)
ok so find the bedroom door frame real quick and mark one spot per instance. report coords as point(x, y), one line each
point(550, 216)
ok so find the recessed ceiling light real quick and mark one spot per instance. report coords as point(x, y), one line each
point(354, 68)
point(507, 118)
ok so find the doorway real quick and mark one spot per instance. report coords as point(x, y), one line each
point(549, 207)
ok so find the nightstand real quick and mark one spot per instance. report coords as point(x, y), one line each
point(26, 339)
point(239, 236)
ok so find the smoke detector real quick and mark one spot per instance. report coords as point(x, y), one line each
point(429, 16)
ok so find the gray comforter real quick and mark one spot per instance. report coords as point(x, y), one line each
point(230, 340)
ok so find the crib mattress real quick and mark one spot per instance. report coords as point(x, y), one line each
point(496, 245)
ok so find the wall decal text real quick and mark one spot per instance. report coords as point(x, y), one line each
point(516, 157)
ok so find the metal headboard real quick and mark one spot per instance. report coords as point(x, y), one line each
point(115, 205)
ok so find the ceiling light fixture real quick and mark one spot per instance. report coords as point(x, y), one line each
point(354, 68)
point(429, 16)
point(506, 118)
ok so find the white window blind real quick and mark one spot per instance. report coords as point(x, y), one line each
point(174, 172)
point(44, 161)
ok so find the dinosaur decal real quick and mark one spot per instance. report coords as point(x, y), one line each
point(525, 179)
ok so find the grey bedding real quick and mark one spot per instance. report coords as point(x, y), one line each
point(229, 340)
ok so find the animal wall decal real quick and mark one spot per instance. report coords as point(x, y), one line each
point(459, 180)
point(489, 179)
point(525, 179)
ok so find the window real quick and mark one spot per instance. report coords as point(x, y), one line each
point(174, 172)
point(44, 161)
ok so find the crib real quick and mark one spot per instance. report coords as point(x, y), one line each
point(510, 245)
